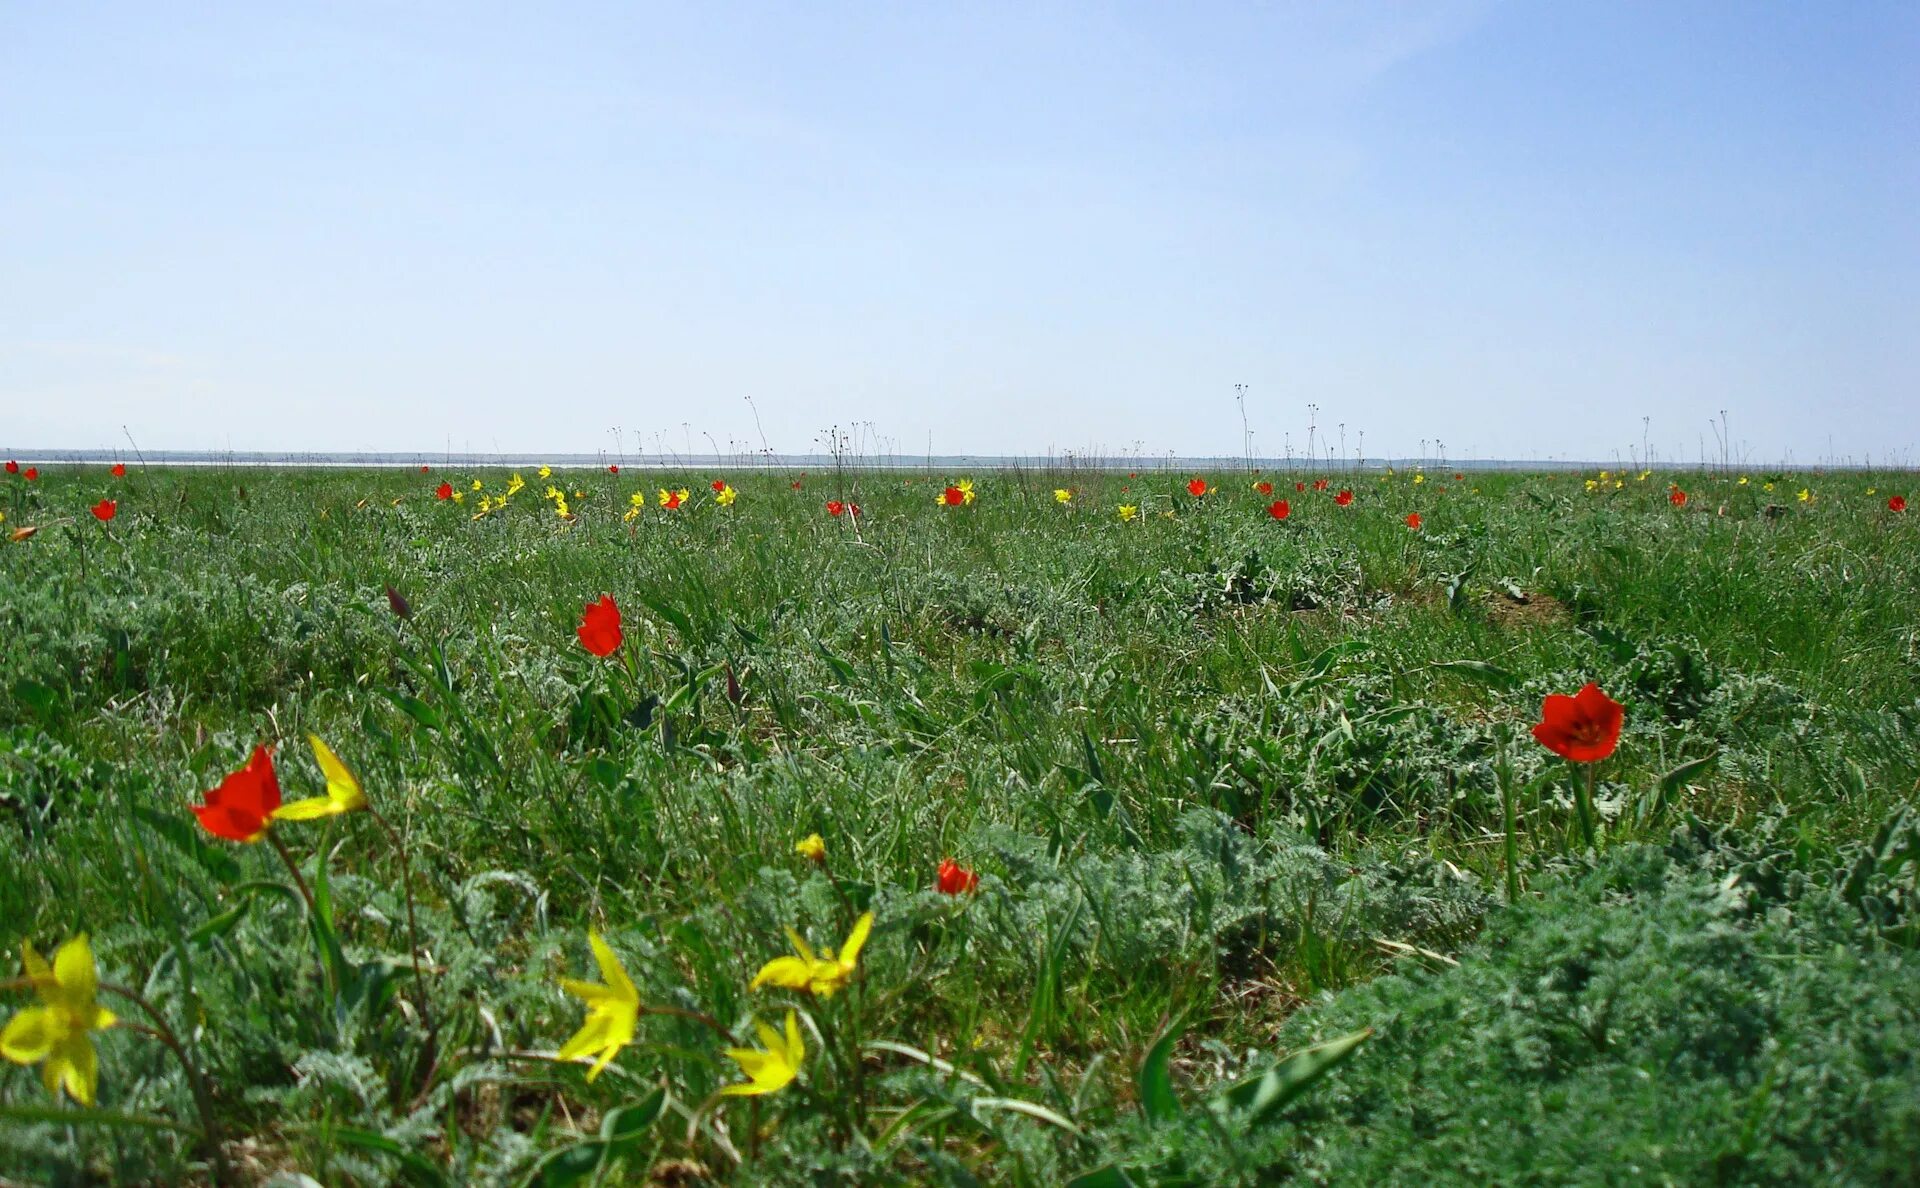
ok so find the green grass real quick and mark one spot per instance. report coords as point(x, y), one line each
point(1230, 783)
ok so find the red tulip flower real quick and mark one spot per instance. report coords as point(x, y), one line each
point(119, 470)
point(1344, 498)
point(956, 879)
point(613, 470)
point(33, 473)
point(953, 497)
point(1897, 504)
point(600, 627)
point(1263, 488)
point(1413, 521)
point(1197, 487)
point(835, 508)
point(1677, 497)
point(1584, 728)
point(1458, 477)
point(13, 467)
point(241, 806)
point(719, 485)
point(795, 484)
point(1279, 510)
point(425, 469)
point(853, 509)
point(1322, 484)
point(105, 510)
point(443, 491)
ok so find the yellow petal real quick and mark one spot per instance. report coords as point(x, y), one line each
point(77, 1068)
point(856, 940)
point(594, 1035)
point(616, 977)
point(73, 968)
point(593, 993)
point(37, 967)
point(796, 1050)
point(341, 784)
point(312, 808)
point(793, 973)
point(31, 1035)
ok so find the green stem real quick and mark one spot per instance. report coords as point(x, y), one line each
point(299, 880)
point(413, 929)
point(202, 1100)
point(1583, 802)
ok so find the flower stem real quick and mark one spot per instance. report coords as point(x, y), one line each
point(202, 1100)
point(413, 934)
point(299, 880)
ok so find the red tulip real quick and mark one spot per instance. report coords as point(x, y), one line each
point(424, 469)
point(1344, 497)
point(119, 470)
point(1897, 504)
point(241, 806)
point(600, 627)
point(1299, 488)
point(795, 484)
point(613, 470)
point(956, 879)
point(1279, 510)
point(1458, 477)
point(853, 509)
point(1321, 484)
point(1677, 497)
point(13, 467)
point(1584, 728)
point(719, 485)
point(1196, 487)
point(105, 510)
point(33, 473)
point(953, 497)
point(443, 491)
point(1263, 488)
point(1413, 521)
point(836, 508)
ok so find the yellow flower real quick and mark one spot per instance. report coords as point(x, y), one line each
point(553, 492)
point(59, 1031)
point(1127, 512)
point(1643, 476)
point(1766, 486)
point(1873, 490)
point(1593, 485)
point(545, 472)
point(459, 496)
point(515, 484)
point(966, 489)
point(343, 790)
point(1062, 495)
point(638, 499)
point(774, 1065)
point(1421, 478)
point(613, 1010)
point(633, 513)
point(1805, 495)
point(560, 507)
point(1743, 480)
point(1617, 484)
point(725, 496)
point(477, 484)
point(817, 973)
point(812, 846)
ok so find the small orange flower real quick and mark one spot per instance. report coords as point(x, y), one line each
point(241, 806)
point(599, 628)
point(955, 879)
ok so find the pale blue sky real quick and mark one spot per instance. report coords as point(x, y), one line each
point(1518, 228)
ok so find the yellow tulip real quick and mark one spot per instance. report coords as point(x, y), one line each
point(1128, 511)
point(774, 1065)
point(820, 974)
point(613, 1010)
point(59, 1030)
point(344, 794)
point(812, 846)
point(1062, 495)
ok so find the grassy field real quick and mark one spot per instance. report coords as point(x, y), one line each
point(1273, 879)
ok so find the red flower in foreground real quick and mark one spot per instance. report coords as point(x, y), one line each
point(13, 467)
point(443, 491)
point(953, 497)
point(1344, 497)
point(1196, 487)
point(105, 510)
point(599, 628)
point(1279, 510)
point(33, 472)
point(1677, 497)
point(1897, 503)
point(241, 806)
point(1322, 484)
point(1263, 488)
point(119, 470)
point(1584, 728)
point(613, 470)
point(1413, 521)
point(836, 508)
point(718, 485)
point(956, 879)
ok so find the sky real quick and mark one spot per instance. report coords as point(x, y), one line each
point(1519, 230)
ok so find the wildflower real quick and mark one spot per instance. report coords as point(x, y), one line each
point(459, 496)
point(835, 508)
point(425, 469)
point(1196, 487)
point(853, 509)
point(1279, 509)
point(515, 485)
point(795, 484)
point(477, 484)
point(1584, 727)
point(812, 846)
point(12, 466)
point(965, 487)
point(1299, 488)
point(725, 495)
point(1677, 497)
point(119, 470)
point(560, 507)
point(1897, 503)
point(1062, 495)
point(23, 532)
point(613, 1010)
point(821, 973)
point(1263, 488)
point(545, 472)
point(1127, 512)
point(59, 1030)
point(343, 790)
point(638, 499)
point(718, 485)
point(105, 510)
point(443, 491)
point(630, 515)
point(671, 500)
point(599, 628)
point(952, 497)
point(955, 879)
point(1321, 484)
point(1458, 477)
point(1743, 480)
point(33, 474)
point(614, 469)
point(1413, 521)
point(242, 806)
point(1420, 478)
point(1766, 486)
point(1344, 498)
point(397, 603)
point(1805, 496)
point(774, 1065)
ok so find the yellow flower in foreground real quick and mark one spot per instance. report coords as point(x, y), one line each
point(343, 790)
point(966, 489)
point(561, 509)
point(812, 846)
point(1805, 496)
point(477, 484)
point(1421, 478)
point(725, 496)
point(1062, 495)
point(1766, 486)
point(1128, 511)
point(772, 1069)
point(638, 499)
point(515, 484)
point(1743, 480)
point(613, 1010)
point(545, 472)
point(459, 496)
point(59, 1030)
point(821, 973)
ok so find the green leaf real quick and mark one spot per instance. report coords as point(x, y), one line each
point(415, 1167)
point(1262, 1095)
point(188, 839)
point(1157, 1098)
point(1479, 670)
